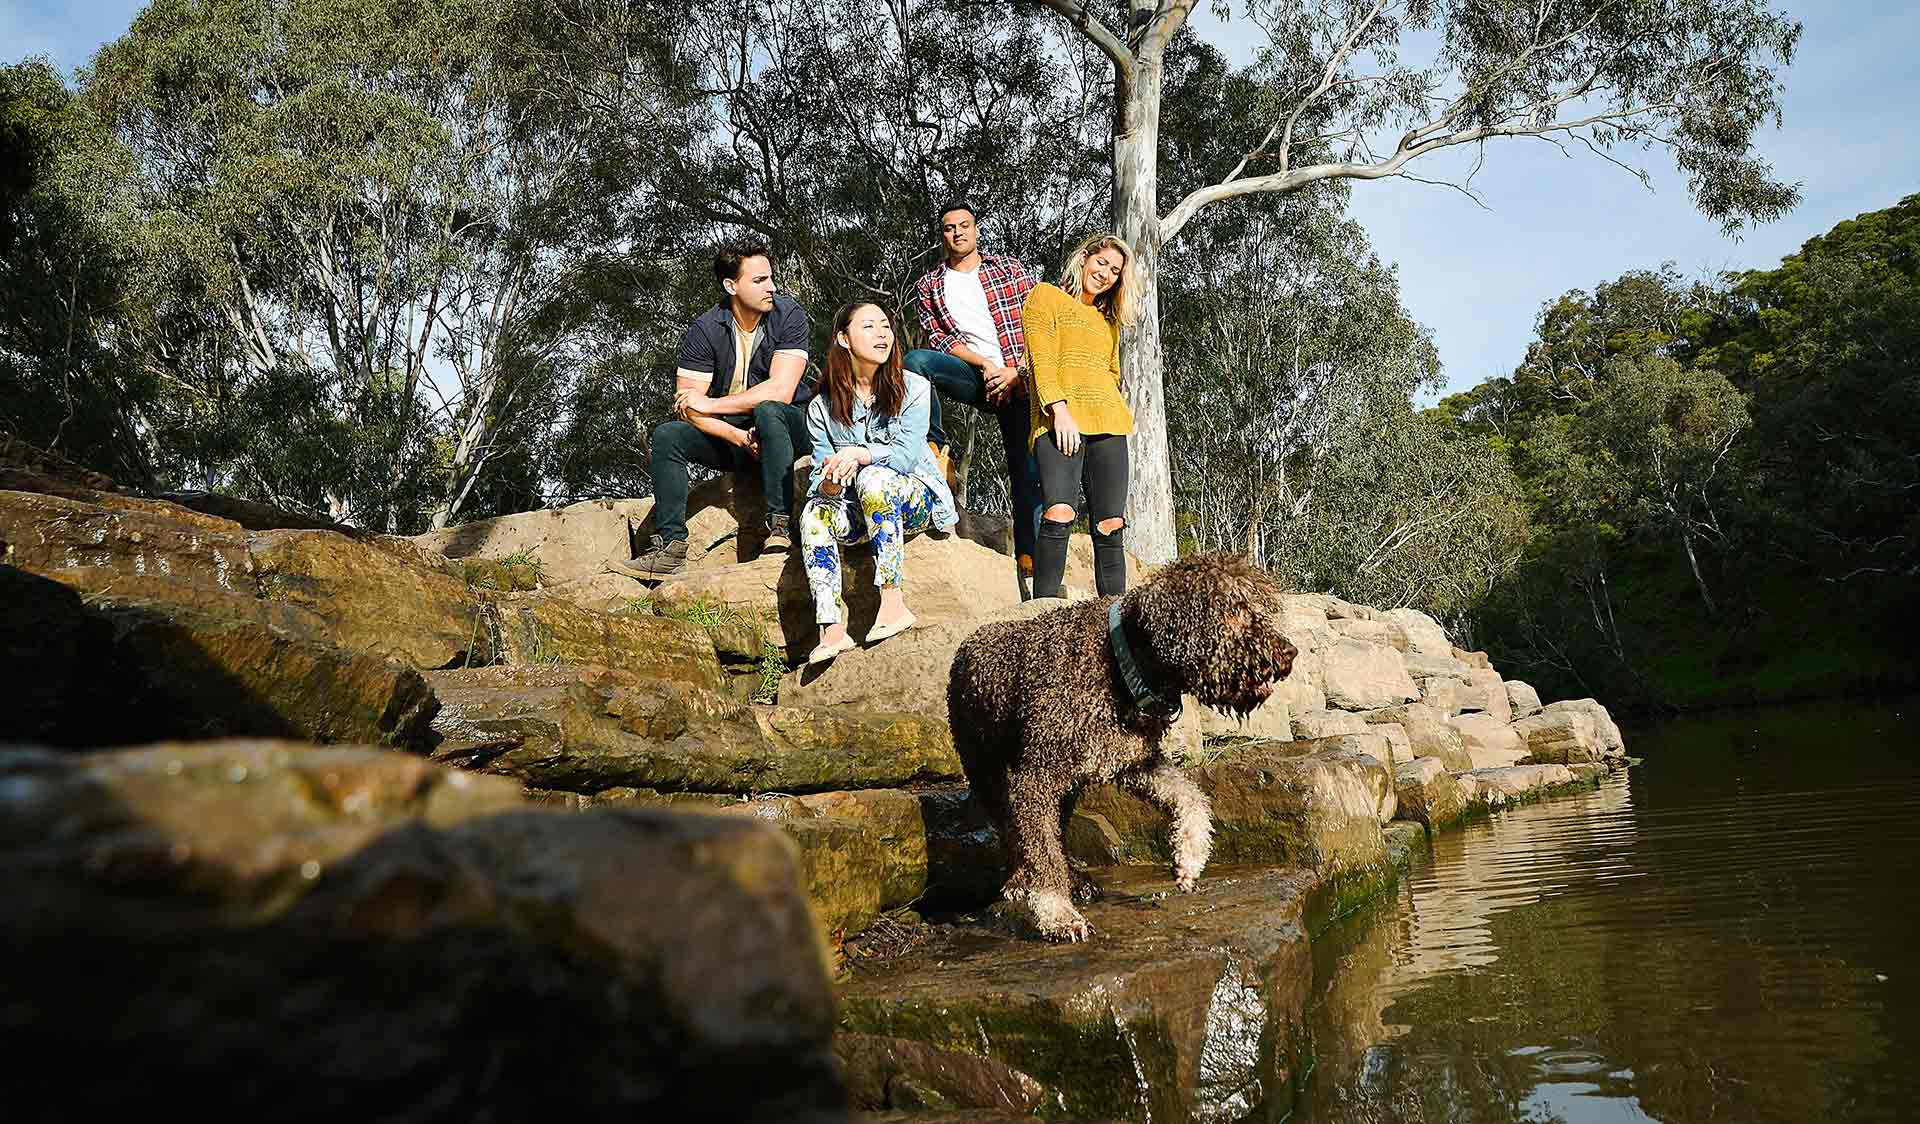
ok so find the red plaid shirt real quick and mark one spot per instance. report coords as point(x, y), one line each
point(1007, 282)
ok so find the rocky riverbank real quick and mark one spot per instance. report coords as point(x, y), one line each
point(507, 871)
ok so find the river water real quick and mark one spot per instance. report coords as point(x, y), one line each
point(1727, 933)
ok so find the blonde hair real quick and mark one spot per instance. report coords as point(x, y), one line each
point(1120, 304)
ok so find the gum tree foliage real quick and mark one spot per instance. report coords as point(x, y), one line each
point(380, 210)
point(1291, 372)
point(70, 375)
point(1759, 429)
point(1825, 347)
point(1364, 89)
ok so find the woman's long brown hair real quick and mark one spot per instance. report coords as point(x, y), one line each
point(889, 383)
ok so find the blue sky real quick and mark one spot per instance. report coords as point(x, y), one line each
point(1477, 277)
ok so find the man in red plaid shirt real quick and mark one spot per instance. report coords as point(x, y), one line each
point(970, 311)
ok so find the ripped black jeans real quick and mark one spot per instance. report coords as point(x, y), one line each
point(1100, 467)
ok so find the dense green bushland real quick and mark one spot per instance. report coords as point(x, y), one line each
point(1723, 479)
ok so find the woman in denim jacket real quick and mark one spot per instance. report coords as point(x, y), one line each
point(874, 476)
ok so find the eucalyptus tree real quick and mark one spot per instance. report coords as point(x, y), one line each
point(376, 199)
point(1290, 373)
point(1344, 100)
point(69, 378)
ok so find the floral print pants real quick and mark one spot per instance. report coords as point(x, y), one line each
point(882, 507)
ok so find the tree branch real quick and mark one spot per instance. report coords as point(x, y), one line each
point(1099, 33)
point(1284, 182)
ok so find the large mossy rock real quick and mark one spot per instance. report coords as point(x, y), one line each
point(1185, 1007)
point(863, 852)
point(588, 729)
point(1321, 811)
point(49, 535)
point(537, 629)
point(373, 598)
point(308, 934)
point(108, 658)
point(230, 666)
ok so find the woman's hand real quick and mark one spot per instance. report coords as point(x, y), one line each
point(841, 466)
point(1066, 434)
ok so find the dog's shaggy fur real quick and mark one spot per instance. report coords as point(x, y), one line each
point(1039, 711)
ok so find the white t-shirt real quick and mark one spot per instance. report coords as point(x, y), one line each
point(967, 300)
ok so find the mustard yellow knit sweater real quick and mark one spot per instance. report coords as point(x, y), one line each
point(1075, 355)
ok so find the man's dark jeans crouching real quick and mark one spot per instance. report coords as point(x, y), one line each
point(782, 430)
point(958, 380)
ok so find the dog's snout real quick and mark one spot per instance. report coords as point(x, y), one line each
point(1284, 665)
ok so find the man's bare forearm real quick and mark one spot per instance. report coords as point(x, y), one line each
point(713, 426)
point(746, 400)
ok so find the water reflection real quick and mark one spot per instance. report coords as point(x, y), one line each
point(1720, 936)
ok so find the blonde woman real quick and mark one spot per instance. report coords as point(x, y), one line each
point(1080, 421)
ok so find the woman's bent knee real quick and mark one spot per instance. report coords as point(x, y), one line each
point(1109, 526)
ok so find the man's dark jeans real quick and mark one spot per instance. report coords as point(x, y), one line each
point(961, 381)
point(676, 444)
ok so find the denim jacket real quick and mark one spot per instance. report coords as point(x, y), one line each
point(899, 443)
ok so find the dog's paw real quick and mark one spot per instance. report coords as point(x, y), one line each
point(1187, 880)
point(1056, 919)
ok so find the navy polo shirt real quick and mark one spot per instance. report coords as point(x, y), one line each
point(708, 348)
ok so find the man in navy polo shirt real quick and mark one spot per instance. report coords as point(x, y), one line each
point(738, 396)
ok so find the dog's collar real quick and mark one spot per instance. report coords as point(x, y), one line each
point(1149, 701)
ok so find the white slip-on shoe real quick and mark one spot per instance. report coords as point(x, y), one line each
point(823, 652)
point(881, 632)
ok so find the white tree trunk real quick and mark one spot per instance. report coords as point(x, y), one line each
point(1136, 218)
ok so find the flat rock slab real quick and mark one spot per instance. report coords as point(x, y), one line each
point(1494, 788)
point(47, 534)
point(586, 729)
point(1182, 1007)
point(311, 934)
point(1270, 805)
point(104, 657)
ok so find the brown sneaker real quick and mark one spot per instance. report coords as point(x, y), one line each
point(779, 534)
point(660, 560)
point(1023, 576)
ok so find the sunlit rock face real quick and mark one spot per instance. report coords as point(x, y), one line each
point(1186, 1007)
point(298, 933)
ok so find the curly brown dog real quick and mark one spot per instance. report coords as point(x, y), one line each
point(1041, 708)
